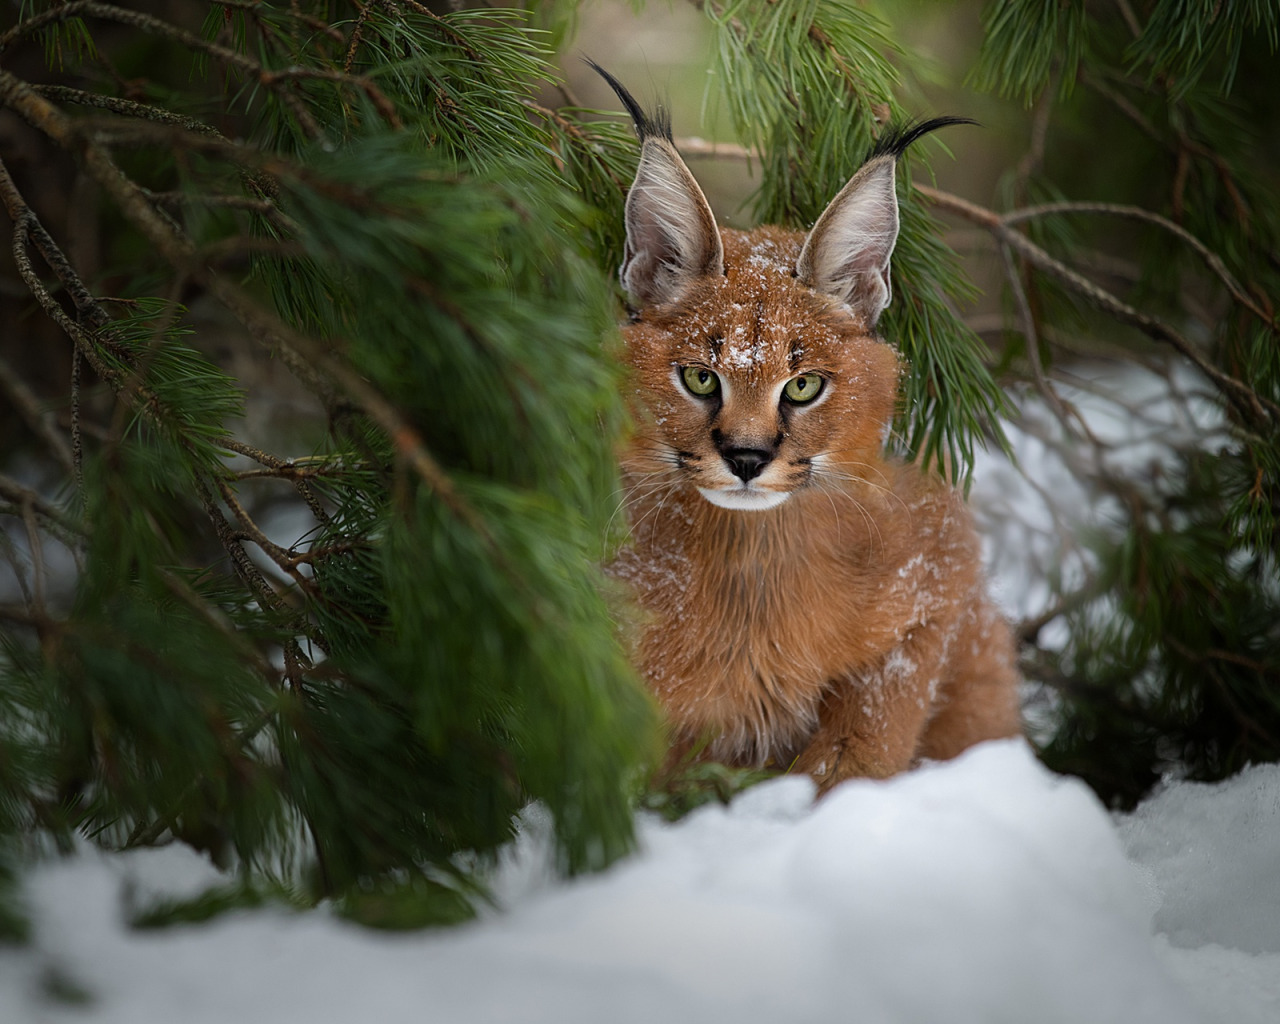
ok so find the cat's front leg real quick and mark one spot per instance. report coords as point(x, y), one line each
point(870, 723)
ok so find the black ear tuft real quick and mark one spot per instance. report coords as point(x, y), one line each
point(895, 139)
point(647, 127)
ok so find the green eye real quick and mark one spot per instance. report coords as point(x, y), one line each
point(700, 381)
point(804, 388)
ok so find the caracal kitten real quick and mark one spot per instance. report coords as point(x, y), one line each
point(805, 601)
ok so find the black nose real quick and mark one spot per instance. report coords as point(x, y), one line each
point(747, 463)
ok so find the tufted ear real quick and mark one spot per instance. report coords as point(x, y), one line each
point(672, 238)
point(848, 251)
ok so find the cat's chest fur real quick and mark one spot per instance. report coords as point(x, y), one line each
point(746, 622)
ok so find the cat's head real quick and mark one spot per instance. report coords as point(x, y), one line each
point(754, 355)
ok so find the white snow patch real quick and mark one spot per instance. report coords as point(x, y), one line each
point(982, 889)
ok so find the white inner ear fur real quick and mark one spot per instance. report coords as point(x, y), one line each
point(672, 238)
point(847, 253)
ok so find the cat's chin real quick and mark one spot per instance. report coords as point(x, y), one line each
point(744, 500)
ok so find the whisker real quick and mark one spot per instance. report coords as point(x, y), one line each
point(830, 473)
point(826, 486)
point(667, 481)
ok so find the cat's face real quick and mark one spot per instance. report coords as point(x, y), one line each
point(756, 364)
point(753, 387)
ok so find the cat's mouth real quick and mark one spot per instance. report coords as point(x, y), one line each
point(744, 498)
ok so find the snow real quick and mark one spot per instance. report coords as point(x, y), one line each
point(981, 890)
point(985, 889)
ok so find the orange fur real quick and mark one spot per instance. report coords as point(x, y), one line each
point(845, 631)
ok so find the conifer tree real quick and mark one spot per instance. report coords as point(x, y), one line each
point(1143, 228)
point(369, 195)
point(373, 197)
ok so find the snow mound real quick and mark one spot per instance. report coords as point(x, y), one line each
point(985, 889)
point(1213, 854)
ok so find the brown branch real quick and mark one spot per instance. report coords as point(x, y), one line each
point(1031, 339)
point(129, 108)
point(263, 207)
point(24, 497)
point(1259, 411)
point(22, 216)
point(282, 558)
point(249, 573)
point(10, 553)
point(356, 33)
point(279, 81)
point(1033, 159)
point(692, 146)
point(1028, 630)
point(26, 617)
point(290, 471)
point(286, 470)
point(38, 589)
point(38, 421)
point(157, 26)
point(77, 443)
point(1211, 259)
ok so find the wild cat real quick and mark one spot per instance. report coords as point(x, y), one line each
point(806, 601)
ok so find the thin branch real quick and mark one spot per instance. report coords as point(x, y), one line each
point(1211, 259)
point(357, 32)
point(263, 207)
point(1031, 338)
point(130, 108)
point(39, 589)
point(282, 558)
point(23, 497)
point(287, 470)
point(1033, 159)
point(1261, 412)
point(277, 80)
point(77, 442)
point(1028, 630)
point(692, 146)
point(30, 228)
point(10, 552)
point(39, 421)
point(249, 573)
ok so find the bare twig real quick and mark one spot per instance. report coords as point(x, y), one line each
point(10, 553)
point(130, 108)
point(22, 497)
point(38, 591)
point(282, 558)
point(1211, 259)
point(1255, 409)
point(1028, 630)
point(692, 146)
point(77, 444)
point(286, 469)
point(39, 421)
point(1031, 339)
point(249, 573)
